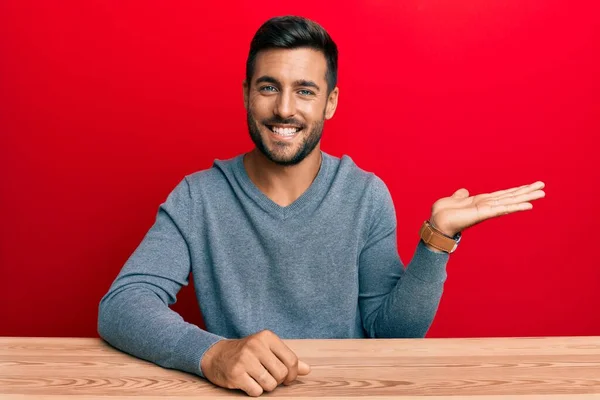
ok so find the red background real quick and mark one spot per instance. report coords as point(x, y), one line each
point(106, 105)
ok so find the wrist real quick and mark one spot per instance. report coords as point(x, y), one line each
point(209, 355)
point(436, 239)
point(441, 228)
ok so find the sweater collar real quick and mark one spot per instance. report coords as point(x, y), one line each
point(311, 196)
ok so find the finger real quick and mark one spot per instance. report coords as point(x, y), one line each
point(490, 196)
point(276, 368)
point(533, 186)
point(506, 191)
point(249, 385)
point(538, 194)
point(262, 376)
point(523, 189)
point(303, 368)
point(489, 211)
point(461, 193)
point(511, 208)
point(287, 357)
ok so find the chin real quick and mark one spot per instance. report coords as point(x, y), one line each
point(282, 159)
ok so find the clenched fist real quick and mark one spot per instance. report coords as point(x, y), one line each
point(253, 364)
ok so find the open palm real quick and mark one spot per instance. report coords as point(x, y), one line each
point(458, 212)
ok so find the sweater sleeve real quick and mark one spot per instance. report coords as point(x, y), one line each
point(134, 316)
point(396, 302)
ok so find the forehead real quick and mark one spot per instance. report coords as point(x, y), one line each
point(289, 65)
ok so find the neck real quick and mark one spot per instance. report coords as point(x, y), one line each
point(282, 184)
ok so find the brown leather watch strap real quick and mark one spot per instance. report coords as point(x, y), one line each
point(436, 239)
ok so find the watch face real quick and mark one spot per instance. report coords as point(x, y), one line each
point(457, 237)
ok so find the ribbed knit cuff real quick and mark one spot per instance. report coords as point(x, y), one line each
point(188, 353)
point(428, 265)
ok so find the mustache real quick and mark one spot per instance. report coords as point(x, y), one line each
point(282, 121)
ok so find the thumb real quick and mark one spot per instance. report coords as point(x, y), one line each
point(461, 193)
point(303, 368)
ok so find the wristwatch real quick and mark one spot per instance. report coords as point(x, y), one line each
point(437, 239)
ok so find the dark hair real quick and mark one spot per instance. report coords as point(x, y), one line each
point(291, 32)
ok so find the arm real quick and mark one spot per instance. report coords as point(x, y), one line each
point(134, 315)
point(394, 302)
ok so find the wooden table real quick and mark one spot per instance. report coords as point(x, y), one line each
point(493, 368)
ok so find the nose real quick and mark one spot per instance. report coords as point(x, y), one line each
point(285, 105)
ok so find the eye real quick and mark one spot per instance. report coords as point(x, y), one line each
point(306, 92)
point(268, 89)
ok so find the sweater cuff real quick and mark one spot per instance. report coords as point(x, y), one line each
point(428, 265)
point(189, 351)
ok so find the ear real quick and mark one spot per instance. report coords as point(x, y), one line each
point(332, 101)
point(245, 88)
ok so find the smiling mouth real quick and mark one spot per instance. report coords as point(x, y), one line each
point(286, 131)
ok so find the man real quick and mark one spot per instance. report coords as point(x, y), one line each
point(285, 241)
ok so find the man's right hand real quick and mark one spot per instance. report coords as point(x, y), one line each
point(254, 364)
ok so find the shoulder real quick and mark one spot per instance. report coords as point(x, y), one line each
point(368, 192)
point(360, 180)
point(196, 187)
point(211, 178)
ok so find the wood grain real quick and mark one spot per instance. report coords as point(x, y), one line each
point(490, 368)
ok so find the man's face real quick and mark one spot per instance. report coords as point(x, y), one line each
point(287, 103)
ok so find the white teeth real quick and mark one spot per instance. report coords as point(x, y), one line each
point(285, 131)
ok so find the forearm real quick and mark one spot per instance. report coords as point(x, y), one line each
point(134, 316)
point(396, 302)
point(137, 321)
point(410, 307)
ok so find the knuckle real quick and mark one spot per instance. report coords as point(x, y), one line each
point(248, 346)
point(264, 377)
point(267, 334)
point(267, 381)
point(254, 341)
point(253, 349)
point(269, 385)
point(291, 362)
point(281, 374)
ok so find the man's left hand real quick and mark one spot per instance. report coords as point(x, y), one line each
point(458, 212)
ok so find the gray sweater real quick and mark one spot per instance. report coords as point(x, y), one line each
point(326, 266)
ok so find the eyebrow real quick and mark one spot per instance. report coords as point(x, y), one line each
point(299, 82)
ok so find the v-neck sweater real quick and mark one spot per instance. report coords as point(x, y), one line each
point(325, 266)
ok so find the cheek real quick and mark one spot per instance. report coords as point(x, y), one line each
point(314, 111)
point(259, 105)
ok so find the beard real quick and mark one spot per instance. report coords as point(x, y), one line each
point(307, 145)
